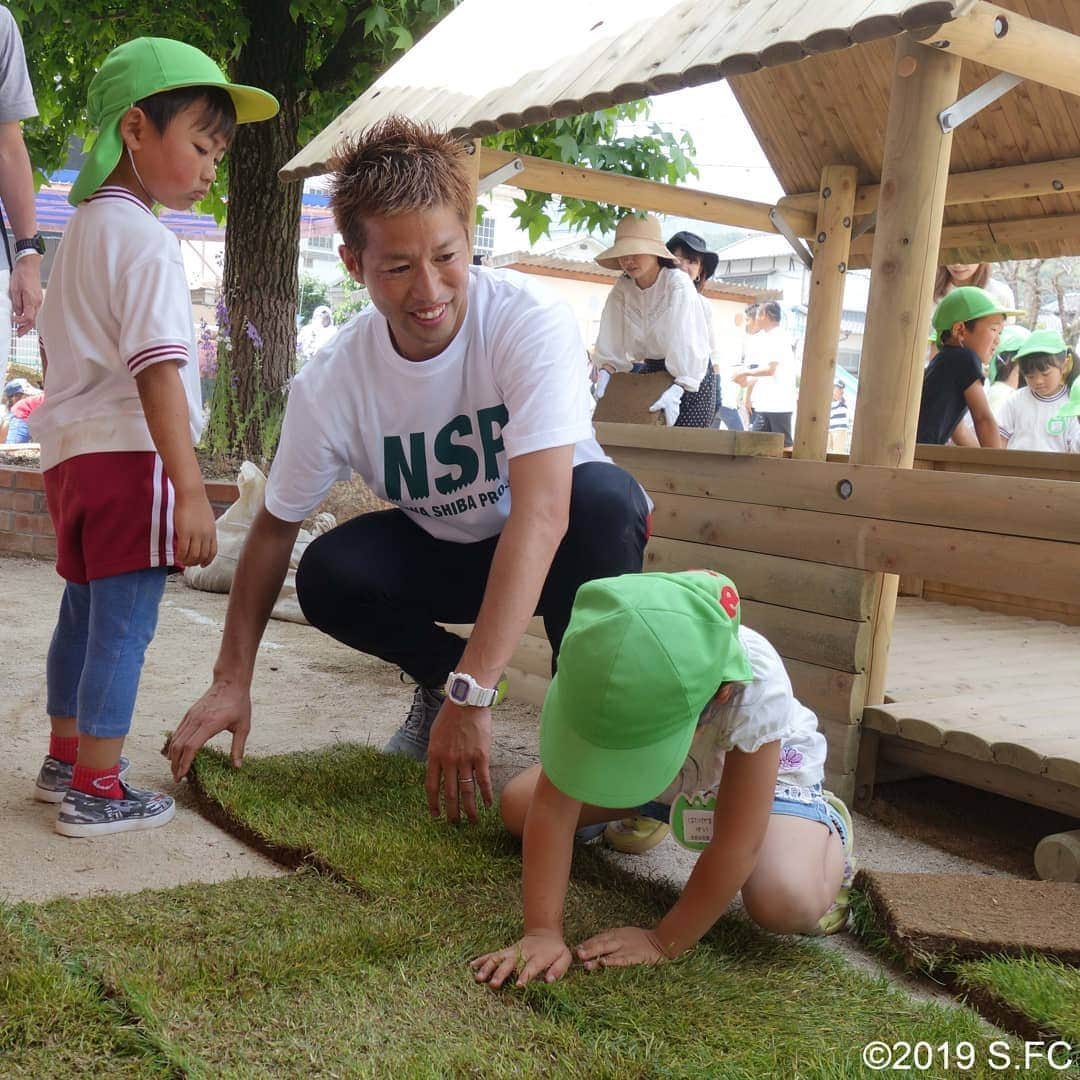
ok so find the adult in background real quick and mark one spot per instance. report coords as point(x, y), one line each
point(956, 275)
point(652, 321)
point(456, 386)
point(21, 398)
point(770, 374)
point(317, 333)
point(20, 278)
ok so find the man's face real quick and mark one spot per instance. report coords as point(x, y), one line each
point(416, 269)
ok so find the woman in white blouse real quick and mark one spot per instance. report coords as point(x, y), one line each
point(653, 321)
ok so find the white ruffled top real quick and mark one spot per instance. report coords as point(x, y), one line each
point(663, 322)
point(763, 711)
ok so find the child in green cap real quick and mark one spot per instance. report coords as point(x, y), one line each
point(123, 411)
point(1031, 418)
point(967, 323)
point(664, 705)
point(1004, 373)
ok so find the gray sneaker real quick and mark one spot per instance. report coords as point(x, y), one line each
point(93, 815)
point(54, 779)
point(411, 738)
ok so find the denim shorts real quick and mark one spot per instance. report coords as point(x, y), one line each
point(789, 800)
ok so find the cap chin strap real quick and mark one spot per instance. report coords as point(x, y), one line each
point(146, 190)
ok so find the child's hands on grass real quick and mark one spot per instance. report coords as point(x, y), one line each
point(196, 532)
point(542, 952)
point(621, 947)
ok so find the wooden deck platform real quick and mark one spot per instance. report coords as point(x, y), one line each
point(986, 699)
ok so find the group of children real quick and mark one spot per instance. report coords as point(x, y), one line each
point(663, 702)
point(972, 339)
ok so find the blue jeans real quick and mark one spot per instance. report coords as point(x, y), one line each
point(97, 650)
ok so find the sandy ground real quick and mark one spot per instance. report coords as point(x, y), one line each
point(309, 692)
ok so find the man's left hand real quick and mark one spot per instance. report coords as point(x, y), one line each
point(457, 760)
point(621, 947)
point(25, 293)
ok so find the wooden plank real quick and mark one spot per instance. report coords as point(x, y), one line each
point(796, 583)
point(1047, 509)
point(986, 775)
point(840, 783)
point(559, 178)
point(843, 743)
point(831, 695)
point(955, 555)
point(813, 638)
point(972, 459)
point(1003, 603)
point(628, 397)
point(821, 342)
point(693, 440)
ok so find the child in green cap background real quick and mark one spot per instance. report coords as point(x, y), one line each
point(1029, 419)
point(664, 705)
point(968, 323)
point(1004, 373)
point(123, 411)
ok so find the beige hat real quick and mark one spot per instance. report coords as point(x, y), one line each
point(634, 236)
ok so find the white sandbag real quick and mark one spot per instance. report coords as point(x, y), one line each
point(232, 530)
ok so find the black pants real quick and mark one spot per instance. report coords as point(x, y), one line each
point(379, 583)
point(697, 407)
point(773, 421)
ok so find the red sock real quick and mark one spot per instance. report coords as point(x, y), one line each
point(64, 748)
point(102, 782)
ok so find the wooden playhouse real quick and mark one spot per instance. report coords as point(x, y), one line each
point(907, 133)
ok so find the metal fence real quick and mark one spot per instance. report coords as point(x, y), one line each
point(24, 351)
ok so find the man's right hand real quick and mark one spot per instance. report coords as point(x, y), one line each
point(226, 706)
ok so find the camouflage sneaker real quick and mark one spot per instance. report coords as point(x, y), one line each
point(411, 739)
point(54, 779)
point(636, 835)
point(94, 815)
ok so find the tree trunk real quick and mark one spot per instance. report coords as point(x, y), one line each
point(263, 233)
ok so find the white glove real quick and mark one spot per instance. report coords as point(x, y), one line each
point(669, 401)
point(603, 377)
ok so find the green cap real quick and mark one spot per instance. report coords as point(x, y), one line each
point(1048, 342)
point(965, 304)
point(134, 71)
point(1012, 337)
point(1071, 407)
point(642, 657)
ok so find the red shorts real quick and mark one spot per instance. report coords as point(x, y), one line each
point(112, 514)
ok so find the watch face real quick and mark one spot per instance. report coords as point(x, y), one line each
point(459, 691)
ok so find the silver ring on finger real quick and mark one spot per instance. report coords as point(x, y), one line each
point(466, 780)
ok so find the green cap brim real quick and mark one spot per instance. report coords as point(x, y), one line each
point(605, 776)
point(251, 104)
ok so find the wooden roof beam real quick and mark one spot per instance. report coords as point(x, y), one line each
point(1004, 40)
point(988, 235)
point(984, 185)
point(559, 178)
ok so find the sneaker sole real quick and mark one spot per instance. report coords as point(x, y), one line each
point(65, 828)
point(632, 844)
point(47, 795)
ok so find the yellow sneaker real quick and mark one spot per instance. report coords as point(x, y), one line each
point(636, 835)
point(835, 919)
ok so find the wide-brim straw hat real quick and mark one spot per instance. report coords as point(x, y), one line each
point(634, 236)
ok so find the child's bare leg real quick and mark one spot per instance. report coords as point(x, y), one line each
point(797, 875)
point(514, 800)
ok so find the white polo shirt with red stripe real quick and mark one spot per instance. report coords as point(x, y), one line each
point(117, 302)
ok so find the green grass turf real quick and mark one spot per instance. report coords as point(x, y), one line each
point(1036, 994)
point(362, 971)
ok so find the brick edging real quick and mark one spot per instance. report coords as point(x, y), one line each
point(25, 525)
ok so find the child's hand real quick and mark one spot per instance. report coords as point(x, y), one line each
point(621, 947)
point(196, 533)
point(543, 952)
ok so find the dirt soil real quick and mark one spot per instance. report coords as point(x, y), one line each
point(309, 692)
point(952, 916)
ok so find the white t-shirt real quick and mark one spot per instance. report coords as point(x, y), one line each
point(436, 436)
point(761, 712)
point(1030, 422)
point(117, 302)
point(776, 392)
point(663, 322)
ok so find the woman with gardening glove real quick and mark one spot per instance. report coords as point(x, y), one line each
point(653, 321)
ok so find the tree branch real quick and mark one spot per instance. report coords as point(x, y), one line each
point(341, 60)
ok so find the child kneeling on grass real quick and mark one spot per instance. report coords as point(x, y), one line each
point(664, 705)
point(123, 410)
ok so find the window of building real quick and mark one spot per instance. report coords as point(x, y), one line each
point(484, 241)
point(322, 243)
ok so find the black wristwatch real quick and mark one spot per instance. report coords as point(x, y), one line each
point(35, 244)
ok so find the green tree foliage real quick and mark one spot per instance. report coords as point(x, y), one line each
point(313, 294)
point(315, 56)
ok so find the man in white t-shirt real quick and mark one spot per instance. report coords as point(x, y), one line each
point(457, 385)
point(773, 379)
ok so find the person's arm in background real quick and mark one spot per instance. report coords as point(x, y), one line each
point(986, 427)
point(610, 351)
point(16, 176)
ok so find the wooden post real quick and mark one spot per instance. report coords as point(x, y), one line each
point(836, 203)
point(914, 176)
point(475, 162)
